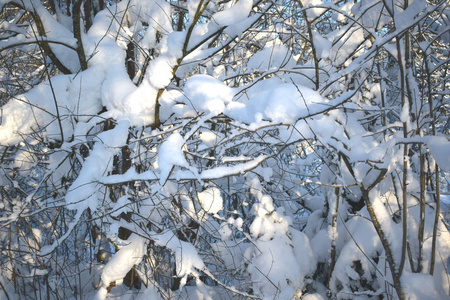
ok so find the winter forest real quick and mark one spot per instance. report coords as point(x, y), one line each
point(224, 149)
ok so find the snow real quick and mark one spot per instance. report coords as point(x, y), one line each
point(123, 260)
point(120, 206)
point(53, 29)
point(207, 94)
point(174, 157)
point(37, 272)
point(271, 58)
point(277, 247)
point(223, 124)
point(408, 15)
point(313, 297)
point(235, 14)
point(208, 138)
point(118, 91)
point(170, 154)
point(151, 292)
point(186, 256)
point(192, 6)
point(157, 13)
point(276, 101)
point(237, 29)
point(84, 192)
point(419, 286)
point(36, 109)
point(320, 244)
point(440, 150)
point(115, 138)
point(368, 245)
point(312, 11)
point(219, 172)
point(373, 16)
point(205, 292)
point(211, 200)
point(117, 86)
point(160, 72)
point(322, 45)
point(353, 39)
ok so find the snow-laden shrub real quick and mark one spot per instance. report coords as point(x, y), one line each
point(216, 150)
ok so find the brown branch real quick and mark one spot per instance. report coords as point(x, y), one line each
point(380, 232)
point(76, 13)
point(46, 47)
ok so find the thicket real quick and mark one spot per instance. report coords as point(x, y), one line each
point(224, 149)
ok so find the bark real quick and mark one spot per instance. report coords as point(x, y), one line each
point(77, 33)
